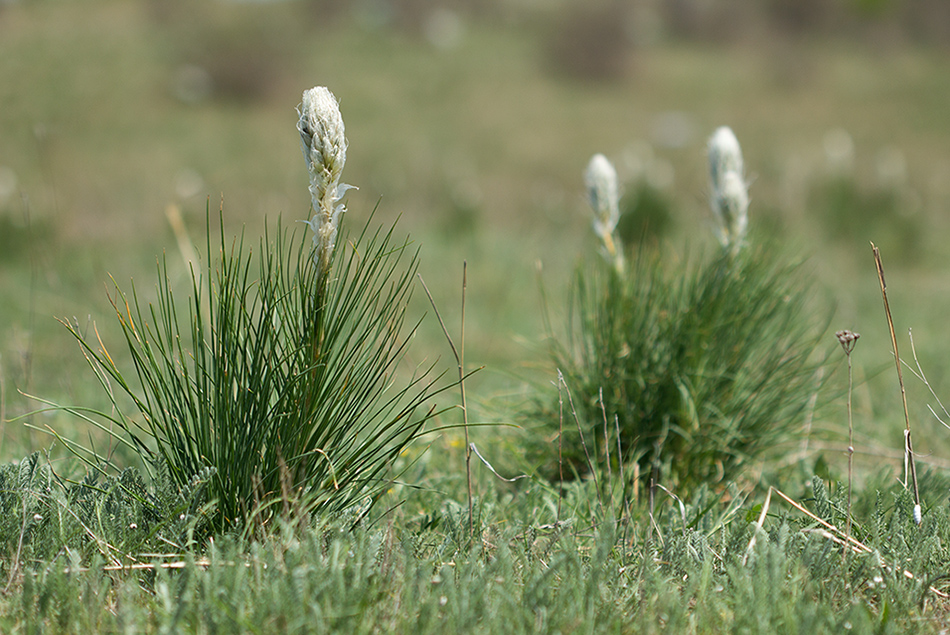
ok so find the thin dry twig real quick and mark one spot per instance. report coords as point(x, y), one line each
point(847, 541)
point(460, 360)
point(560, 443)
point(848, 339)
point(474, 449)
point(910, 470)
point(149, 566)
point(603, 410)
point(919, 374)
point(590, 462)
point(758, 527)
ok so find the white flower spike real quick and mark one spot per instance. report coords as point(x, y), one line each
point(604, 193)
point(730, 196)
point(323, 140)
point(725, 155)
point(601, 181)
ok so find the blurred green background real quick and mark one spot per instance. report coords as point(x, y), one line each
point(472, 121)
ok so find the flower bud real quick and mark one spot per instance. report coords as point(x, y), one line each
point(725, 155)
point(323, 140)
point(604, 194)
point(730, 197)
point(732, 203)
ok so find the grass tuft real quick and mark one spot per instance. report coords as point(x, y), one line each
point(696, 371)
point(286, 382)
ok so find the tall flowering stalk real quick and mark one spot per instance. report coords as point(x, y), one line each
point(281, 389)
point(689, 370)
point(730, 197)
point(323, 140)
point(604, 194)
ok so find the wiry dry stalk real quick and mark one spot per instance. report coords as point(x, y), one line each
point(468, 445)
point(848, 339)
point(459, 354)
point(848, 542)
point(910, 469)
point(560, 445)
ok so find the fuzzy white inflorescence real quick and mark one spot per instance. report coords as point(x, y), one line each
point(604, 193)
point(730, 196)
point(323, 139)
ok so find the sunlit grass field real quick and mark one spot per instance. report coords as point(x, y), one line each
point(478, 149)
point(477, 146)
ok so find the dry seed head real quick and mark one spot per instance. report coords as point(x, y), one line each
point(323, 140)
point(847, 339)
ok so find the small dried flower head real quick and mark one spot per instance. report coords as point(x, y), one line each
point(847, 339)
point(604, 194)
point(730, 196)
point(323, 140)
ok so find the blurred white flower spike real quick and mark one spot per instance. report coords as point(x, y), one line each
point(604, 194)
point(730, 196)
point(323, 140)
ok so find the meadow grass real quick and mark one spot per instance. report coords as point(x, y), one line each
point(690, 370)
point(279, 382)
point(683, 372)
point(699, 558)
point(687, 567)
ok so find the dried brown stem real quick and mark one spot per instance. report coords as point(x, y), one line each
point(459, 354)
point(910, 470)
point(848, 339)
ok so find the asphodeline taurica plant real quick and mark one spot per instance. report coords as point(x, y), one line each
point(694, 369)
point(323, 140)
point(604, 194)
point(284, 383)
point(730, 196)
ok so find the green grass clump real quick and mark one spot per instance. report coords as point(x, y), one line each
point(694, 371)
point(284, 381)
